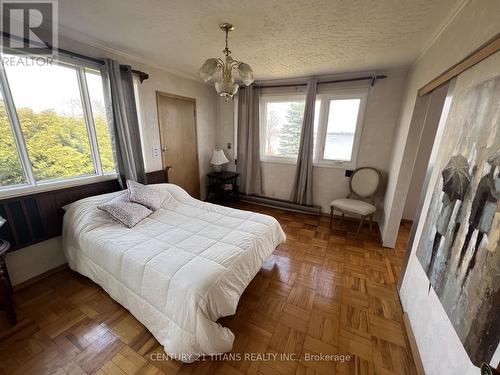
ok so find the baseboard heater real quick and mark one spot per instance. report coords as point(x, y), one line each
point(280, 203)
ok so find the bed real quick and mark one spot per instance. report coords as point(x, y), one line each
point(178, 270)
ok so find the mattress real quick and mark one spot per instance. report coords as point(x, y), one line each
point(177, 271)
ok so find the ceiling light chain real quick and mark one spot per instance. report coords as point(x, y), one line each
point(226, 87)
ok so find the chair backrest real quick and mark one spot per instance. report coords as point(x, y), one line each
point(364, 182)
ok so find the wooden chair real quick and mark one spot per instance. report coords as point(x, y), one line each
point(363, 185)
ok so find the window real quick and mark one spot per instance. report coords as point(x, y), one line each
point(339, 130)
point(11, 171)
point(96, 95)
point(281, 124)
point(337, 127)
point(54, 122)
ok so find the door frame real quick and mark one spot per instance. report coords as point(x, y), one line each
point(160, 94)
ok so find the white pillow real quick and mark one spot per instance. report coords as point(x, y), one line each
point(126, 212)
point(146, 195)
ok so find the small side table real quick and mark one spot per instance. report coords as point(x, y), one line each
point(222, 186)
point(5, 285)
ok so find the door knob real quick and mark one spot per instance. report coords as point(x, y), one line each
point(164, 149)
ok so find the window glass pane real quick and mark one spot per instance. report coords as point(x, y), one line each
point(94, 84)
point(283, 124)
point(11, 171)
point(341, 126)
point(49, 108)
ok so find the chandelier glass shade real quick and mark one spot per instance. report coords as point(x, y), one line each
point(225, 85)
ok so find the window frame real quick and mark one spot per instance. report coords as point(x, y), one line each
point(264, 100)
point(31, 185)
point(324, 101)
point(318, 159)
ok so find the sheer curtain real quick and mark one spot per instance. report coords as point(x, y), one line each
point(248, 141)
point(122, 114)
point(302, 190)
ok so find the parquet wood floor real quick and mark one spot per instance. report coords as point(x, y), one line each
point(322, 292)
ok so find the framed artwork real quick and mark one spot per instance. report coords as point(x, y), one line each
point(459, 243)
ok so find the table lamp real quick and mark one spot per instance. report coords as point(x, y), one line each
point(218, 160)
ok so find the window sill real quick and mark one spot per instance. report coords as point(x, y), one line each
point(343, 166)
point(16, 191)
point(340, 165)
point(278, 160)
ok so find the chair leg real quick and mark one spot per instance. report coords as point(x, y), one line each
point(331, 217)
point(360, 225)
point(371, 223)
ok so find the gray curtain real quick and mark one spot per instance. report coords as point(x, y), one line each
point(248, 141)
point(302, 190)
point(124, 124)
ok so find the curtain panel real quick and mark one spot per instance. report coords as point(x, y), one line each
point(248, 165)
point(302, 189)
point(124, 124)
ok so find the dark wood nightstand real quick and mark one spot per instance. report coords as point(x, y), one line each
point(5, 286)
point(222, 186)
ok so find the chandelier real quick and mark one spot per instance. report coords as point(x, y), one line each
point(225, 86)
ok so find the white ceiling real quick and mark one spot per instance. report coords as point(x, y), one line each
point(279, 39)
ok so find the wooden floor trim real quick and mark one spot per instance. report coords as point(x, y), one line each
point(407, 222)
point(40, 277)
point(280, 204)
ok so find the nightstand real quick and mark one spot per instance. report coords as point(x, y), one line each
point(5, 286)
point(222, 186)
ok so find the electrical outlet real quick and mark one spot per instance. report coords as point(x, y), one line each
point(156, 152)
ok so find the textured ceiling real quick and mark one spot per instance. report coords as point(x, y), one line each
point(279, 39)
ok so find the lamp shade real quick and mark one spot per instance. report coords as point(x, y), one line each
point(208, 69)
point(226, 89)
point(219, 158)
point(246, 73)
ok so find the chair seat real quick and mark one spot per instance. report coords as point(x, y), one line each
point(353, 205)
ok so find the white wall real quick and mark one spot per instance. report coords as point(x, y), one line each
point(438, 343)
point(225, 129)
point(433, 111)
point(476, 23)
point(29, 262)
point(379, 127)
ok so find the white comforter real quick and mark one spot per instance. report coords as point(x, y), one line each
point(178, 270)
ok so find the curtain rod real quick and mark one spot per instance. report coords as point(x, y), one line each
point(142, 76)
point(365, 78)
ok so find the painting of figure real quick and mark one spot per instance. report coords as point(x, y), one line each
point(459, 246)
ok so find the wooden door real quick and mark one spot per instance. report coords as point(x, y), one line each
point(177, 122)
